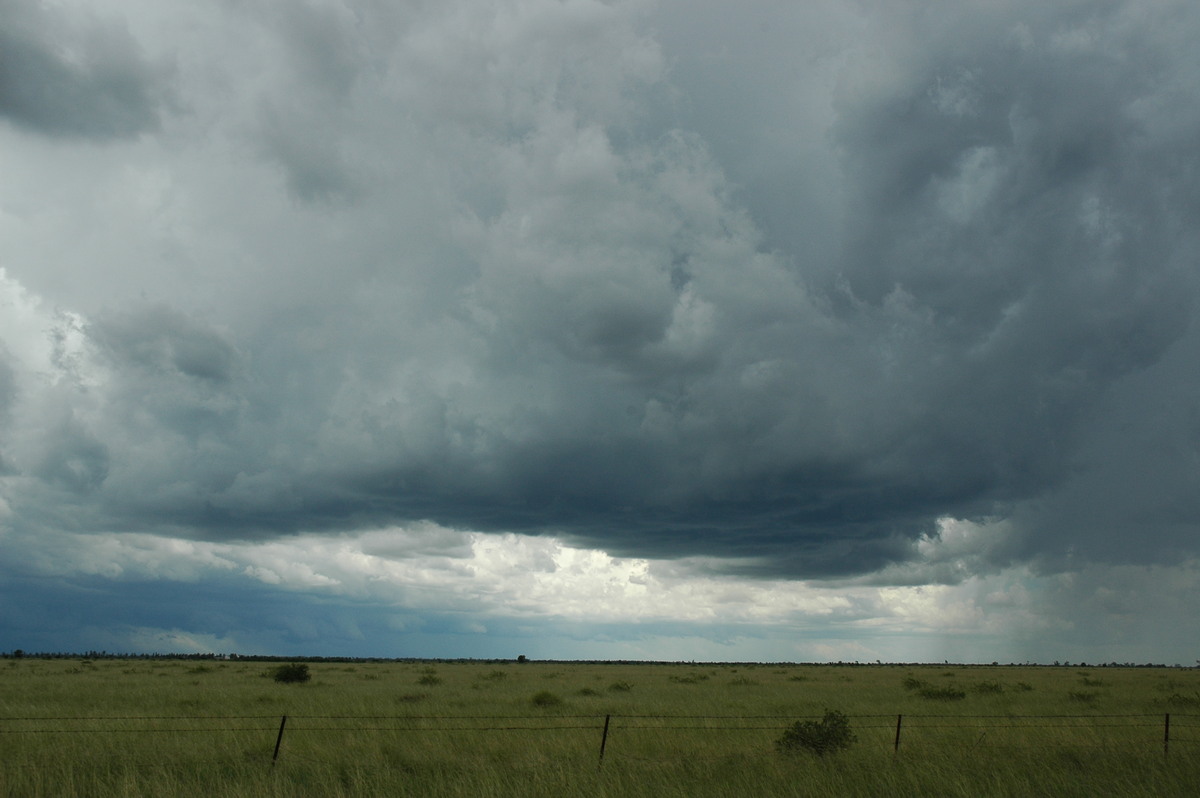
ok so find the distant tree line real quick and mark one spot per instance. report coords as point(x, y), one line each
point(98, 655)
point(20, 654)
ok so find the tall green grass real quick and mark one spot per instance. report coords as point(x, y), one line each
point(175, 728)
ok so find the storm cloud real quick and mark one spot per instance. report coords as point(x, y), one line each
point(782, 289)
point(75, 77)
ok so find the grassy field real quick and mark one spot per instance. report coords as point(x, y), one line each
point(175, 728)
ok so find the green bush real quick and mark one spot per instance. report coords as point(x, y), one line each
point(830, 734)
point(942, 693)
point(546, 699)
point(291, 674)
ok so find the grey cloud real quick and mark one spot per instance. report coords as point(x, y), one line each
point(72, 458)
point(162, 340)
point(8, 384)
point(311, 163)
point(8, 396)
point(1133, 495)
point(63, 77)
point(326, 48)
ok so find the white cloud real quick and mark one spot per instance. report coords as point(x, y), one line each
point(539, 578)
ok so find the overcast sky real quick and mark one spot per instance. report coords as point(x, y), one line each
point(666, 330)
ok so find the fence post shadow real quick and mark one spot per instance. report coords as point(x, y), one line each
point(278, 740)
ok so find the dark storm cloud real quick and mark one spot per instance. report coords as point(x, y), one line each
point(515, 296)
point(163, 341)
point(66, 78)
point(1137, 499)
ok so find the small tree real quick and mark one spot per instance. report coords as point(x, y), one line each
point(292, 674)
point(830, 734)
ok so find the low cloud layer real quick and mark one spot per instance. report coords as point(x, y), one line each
point(789, 290)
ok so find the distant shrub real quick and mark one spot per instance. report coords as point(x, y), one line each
point(1084, 696)
point(742, 681)
point(913, 683)
point(546, 699)
point(988, 688)
point(691, 678)
point(942, 693)
point(1087, 682)
point(587, 691)
point(291, 674)
point(495, 676)
point(429, 680)
point(826, 736)
point(411, 698)
point(620, 687)
point(1024, 687)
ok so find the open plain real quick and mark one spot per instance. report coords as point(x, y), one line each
point(171, 727)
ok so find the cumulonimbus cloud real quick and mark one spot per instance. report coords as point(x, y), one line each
point(482, 263)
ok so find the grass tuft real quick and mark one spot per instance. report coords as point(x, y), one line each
point(545, 698)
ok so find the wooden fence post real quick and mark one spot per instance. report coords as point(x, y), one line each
point(278, 740)
point(603, 739)
point(896, 747)
point(1166, 733)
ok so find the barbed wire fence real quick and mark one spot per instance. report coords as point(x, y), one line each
point(894, 732)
